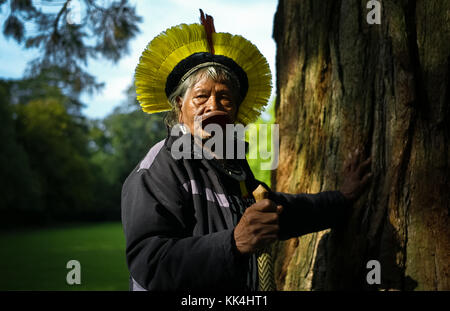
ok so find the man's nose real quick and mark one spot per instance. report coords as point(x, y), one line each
point(212, 104)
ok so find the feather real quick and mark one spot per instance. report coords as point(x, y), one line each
point(208, 23)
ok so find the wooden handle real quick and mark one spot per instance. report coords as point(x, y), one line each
point(260, 193)
point(265, 263)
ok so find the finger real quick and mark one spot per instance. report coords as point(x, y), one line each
point(357, 157)
point(265, 205)
point(349, 161)
point(274, 235)
point(361, 156)
point(367, 161)
point(366, 179)
point(279, 209)
point(347, 164)
point(364, 165)
point(270, 231)
point(268, 218)
point(353, 161)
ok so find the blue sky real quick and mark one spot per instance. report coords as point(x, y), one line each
point(252, 19)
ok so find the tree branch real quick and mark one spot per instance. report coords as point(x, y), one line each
point(55, 24)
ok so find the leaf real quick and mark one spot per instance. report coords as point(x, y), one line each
point(21, 5)
point(13, 27)
point(35, 41)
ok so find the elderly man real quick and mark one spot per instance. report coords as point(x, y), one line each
point(192, 223)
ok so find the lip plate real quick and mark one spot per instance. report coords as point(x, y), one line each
point(219, 117)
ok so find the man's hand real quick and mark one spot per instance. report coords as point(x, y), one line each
point(258, 226)
point(356, 175)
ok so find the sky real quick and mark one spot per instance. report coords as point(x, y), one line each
point(252, 19)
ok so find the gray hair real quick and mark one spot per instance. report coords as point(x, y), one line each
point(216, 73)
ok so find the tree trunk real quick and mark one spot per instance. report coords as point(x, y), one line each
point(342, 84)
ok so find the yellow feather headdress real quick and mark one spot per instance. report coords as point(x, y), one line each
point(175, 44)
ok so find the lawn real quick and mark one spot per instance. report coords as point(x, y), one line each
point(36, 259)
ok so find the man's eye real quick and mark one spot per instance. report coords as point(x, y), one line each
point(225, 99)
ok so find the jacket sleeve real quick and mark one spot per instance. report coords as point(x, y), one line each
point(161, 252)
point(306, 213)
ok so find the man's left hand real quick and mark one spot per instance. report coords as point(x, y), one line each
point(356, 175)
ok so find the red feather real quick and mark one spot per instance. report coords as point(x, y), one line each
point(208, 22)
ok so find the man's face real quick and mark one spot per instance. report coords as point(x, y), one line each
point(209, 102)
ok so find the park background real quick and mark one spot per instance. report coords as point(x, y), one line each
point(72, 129)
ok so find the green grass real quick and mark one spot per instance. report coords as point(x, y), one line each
point(36, 259)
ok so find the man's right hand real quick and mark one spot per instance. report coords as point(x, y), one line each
point(258, 226)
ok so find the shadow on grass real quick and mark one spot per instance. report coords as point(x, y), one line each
point(35, 259)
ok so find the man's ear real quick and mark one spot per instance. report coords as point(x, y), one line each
point(180, 113)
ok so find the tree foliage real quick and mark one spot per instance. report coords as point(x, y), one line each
point(44, 160)
point(59, 166)
point(121, 140)
point(68, 33)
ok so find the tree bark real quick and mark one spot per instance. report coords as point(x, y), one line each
point(342, 84)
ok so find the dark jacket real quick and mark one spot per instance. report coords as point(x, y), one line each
point(179, 215)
